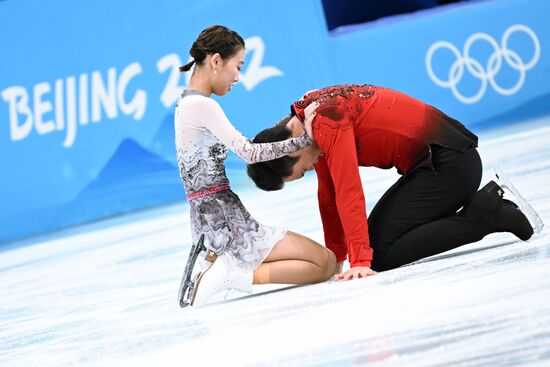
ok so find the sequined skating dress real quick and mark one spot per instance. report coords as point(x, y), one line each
point(203, 136)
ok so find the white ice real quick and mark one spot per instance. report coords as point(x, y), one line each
point(105, 294)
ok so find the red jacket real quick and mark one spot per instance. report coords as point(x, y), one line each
point(364, 125)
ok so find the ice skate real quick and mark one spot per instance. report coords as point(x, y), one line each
point(524, 205)
point(218, 278)
point(505, 214)
point(187, 285)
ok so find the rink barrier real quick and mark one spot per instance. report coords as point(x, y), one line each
point(86, 112)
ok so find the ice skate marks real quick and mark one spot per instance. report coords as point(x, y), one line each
point(239, 296)
point(526, 208)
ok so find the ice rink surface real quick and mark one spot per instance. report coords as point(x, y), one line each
point(104, 294)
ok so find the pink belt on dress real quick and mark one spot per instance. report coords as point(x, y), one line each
point(209, 191)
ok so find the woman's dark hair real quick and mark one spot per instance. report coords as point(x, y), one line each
point(269, 175)
point(214, 39)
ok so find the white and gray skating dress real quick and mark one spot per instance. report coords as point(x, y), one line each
point(203, 136)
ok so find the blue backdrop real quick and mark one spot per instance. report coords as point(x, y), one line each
point(88, 88)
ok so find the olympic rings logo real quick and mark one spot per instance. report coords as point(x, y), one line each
point(484, 74)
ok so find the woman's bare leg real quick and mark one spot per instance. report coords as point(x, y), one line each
point(296, 259)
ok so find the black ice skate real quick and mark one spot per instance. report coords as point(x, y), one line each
point(505, 216)
point(187, 286)
point(523, 204)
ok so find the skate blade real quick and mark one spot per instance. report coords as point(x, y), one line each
point(524, 205)
point(187, 294)
point(187, 286)
point(191, 289)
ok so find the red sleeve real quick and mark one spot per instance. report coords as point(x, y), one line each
point(332, 227)
point(338, 144)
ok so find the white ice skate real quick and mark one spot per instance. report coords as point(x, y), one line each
point(218, 278)
point(524, 205)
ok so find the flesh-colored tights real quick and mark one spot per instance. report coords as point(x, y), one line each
point(296, 259)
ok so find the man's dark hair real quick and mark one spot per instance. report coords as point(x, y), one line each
point(269, 175)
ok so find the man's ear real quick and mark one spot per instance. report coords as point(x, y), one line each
point(284, 120)
point(295, 126)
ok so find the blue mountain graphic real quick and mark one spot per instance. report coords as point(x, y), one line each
point(133, 178)
point(163, 142)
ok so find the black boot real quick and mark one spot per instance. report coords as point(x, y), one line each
point(484, 203)
point(505, 216)
point(511, 219)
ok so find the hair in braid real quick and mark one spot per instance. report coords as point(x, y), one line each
point(212, 40)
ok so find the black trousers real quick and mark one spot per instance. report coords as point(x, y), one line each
point(418, 216)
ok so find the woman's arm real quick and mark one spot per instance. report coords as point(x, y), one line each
point(216, 121)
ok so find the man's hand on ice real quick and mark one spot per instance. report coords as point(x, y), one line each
point(355, 273)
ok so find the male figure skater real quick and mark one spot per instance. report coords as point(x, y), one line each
point(420, 215)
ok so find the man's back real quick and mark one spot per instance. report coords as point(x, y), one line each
point(391, 129)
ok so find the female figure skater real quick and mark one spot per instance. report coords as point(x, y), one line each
point(240, 251)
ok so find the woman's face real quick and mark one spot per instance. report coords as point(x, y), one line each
point(227, 73)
